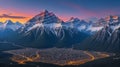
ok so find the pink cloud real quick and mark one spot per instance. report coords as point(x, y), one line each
point(9, 16)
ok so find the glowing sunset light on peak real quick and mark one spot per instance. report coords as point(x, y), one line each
point(64, 9)
point(115, 17)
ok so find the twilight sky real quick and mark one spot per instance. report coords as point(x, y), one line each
point(22, 10)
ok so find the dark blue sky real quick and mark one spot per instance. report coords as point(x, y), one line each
point(63, 8)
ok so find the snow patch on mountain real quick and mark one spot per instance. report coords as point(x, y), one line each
point(82, 27)
point(35, 26)
point(91, 28)
point(115, 27)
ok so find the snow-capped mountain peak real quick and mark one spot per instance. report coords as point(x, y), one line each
point(8, 24)
point(44, 17)
point(72, 19)
point(43, 13)
point(18, 23)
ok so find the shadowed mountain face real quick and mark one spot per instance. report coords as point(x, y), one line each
point(8, 31)
point(107, 39)
point(46, 30)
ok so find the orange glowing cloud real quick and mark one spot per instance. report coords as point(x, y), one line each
point(13, 15)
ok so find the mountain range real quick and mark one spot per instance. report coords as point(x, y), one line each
point(106, 39)
point(47, 30)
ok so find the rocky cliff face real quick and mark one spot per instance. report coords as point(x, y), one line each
point(107, 39)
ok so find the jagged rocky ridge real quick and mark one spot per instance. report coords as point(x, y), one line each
point(47, 30)
point(8, 31)
point(107, 39)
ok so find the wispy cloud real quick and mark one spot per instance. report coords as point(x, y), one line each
point(11, 16)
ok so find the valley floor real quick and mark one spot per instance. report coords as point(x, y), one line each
point(57, 56)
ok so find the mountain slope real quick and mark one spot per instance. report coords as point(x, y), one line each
point(107, 39)
point(8, 31)
point(41, 32)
